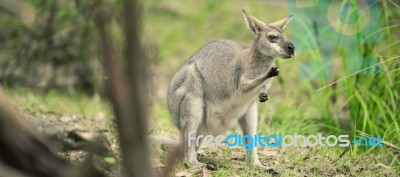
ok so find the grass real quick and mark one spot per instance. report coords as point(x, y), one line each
point(58, 103)
point(358, 105)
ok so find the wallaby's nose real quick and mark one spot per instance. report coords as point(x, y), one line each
point(290, 47)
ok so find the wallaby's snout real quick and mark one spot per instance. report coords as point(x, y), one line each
point(289, 53)
point(290, 48)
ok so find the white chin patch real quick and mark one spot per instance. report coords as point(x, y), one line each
point(276, 48)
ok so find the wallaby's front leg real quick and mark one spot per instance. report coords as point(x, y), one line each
point(263, 96)
point(249, 84)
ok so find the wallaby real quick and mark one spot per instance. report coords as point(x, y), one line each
point(217, 87)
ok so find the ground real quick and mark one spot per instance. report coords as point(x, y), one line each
point(173, 30)
point(95, 114)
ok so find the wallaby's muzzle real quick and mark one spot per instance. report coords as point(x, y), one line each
point(289, 50)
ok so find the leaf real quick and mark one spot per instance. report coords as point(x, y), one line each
point(62, 13)
point(110, 160)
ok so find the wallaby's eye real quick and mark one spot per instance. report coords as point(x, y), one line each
point(272, 38)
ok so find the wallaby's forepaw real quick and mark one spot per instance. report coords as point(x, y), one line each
point(263, 97)
point(274, 71)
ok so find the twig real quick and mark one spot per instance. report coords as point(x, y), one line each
point(383, 142)
point(342, 154)
point(324, 87)
point(394, 4)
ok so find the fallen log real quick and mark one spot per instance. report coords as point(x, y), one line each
point(70, 138)
point(24, 152)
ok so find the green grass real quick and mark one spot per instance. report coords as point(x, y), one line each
point(58, 103)
point(357, 105)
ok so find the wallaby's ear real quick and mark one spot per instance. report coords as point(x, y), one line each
point(254, 24)
point(281, 24)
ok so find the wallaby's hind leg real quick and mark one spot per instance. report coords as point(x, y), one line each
point(191, 110)
point(248, 123)
point(199, 142)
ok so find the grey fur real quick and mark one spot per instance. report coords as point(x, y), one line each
point(217, 87)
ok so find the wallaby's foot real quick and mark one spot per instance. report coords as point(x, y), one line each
point(274, 71)
point(191, 160)
point(263, 97)
point(195, 164)
point(270, 170)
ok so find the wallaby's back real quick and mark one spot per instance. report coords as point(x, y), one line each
point(210, 73)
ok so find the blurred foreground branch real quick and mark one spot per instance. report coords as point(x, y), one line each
point(126, 89)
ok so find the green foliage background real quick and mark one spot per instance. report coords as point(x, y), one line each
point(58, 51)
